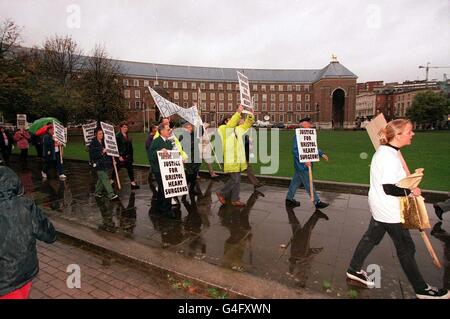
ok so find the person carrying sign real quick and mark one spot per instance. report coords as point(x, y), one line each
point(51, 155)
point(125, 145)
point(301, 175)
point(386, 170)
point(231, 135)
point(166, 121)
point(160, 143)
point(190, 143)
point(102, 163)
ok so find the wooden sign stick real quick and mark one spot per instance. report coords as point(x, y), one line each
point(311, 190)
point(117, 174)
point(61, 153)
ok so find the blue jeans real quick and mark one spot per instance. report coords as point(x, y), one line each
point(299, 178)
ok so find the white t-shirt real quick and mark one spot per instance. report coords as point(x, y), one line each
point(386, 168)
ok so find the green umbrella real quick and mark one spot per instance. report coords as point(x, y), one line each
point(40, 123)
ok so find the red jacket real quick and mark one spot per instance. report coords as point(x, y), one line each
point(22, 139)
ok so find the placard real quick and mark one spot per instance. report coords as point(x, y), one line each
point(88, 132)
point(172, 174)
point(244, 93)
point(308, 150)
point(374, 127)
point(22, 121)
point(110, 139)
point(59, 133)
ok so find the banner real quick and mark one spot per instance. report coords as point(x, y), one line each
point(172, 174)
point(374, 127)
point(110, 140)
point(244, 91)
point(88, 132)
point(22, 121)
point(191, 115)
point(307, 145)
point(59, 133)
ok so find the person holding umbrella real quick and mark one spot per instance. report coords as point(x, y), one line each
point(51, 155)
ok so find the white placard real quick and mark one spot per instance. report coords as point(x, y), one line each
point(22, 121)
point(172, 174)
point(110, 139)
point(244, 92)
point(88, 132)
point(166, 107)
point(307, 145)
point(59, 133)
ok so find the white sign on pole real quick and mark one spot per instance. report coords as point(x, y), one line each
point(110, 140)
point(244, 91)
point(166, 107)
point(172, 174)
point(88, 132)
point(59, 133)
point(307, 145)
point(22, 121)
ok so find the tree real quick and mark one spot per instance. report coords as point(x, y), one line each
point(101, 91)
point(428, 108)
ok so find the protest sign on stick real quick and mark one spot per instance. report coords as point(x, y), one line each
point(172, 174)
point(308, 151)
point(59, 133)
point(22, 121)
point(244, 93)
point(88, 132)
point(111, 146)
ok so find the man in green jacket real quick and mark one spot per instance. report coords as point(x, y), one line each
point(231, 134)
point(160, 143)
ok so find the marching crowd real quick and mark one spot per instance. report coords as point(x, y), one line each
point(28, 224)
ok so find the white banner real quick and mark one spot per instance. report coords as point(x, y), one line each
point(88, 132)
point(22, 121)
point(110, 139)
point(244, 92)
point(307, 145)
point(172, 174)
point(59, 133)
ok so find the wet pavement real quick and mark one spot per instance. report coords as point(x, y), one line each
point(299, 248)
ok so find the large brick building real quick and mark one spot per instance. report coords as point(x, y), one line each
point(326, 95)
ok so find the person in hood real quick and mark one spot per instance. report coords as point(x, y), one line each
point(22, 222)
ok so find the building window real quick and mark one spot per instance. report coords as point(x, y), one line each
point(137, 105)
point(255, 87)
point(307, 87)
point(289, 106)
point(298, 97)
point(272, 97)
point(221, 96)
point(281, 106)
point(165, 84)
point(204, 106)
point(255, 105)
point(146, 83)
point(263, 88)
point(175, 85)
point(221, 107)
point(307, 107)
point(289, 118)
point(298, 88)
point(212, 96)
point(194, 86)
point(298, 106)
point(272, 106)
point(255, 97)
point(307, 97)
point(281, 97)
point(213, 106)
point(211, 86)
point(126, 93)
point(137, 94)
point(230, 96)
point(176, 95)
point(125, 82)
point(272, 117)
point(281, 117)
point(290, 98)
point(280, 88)
point(264, 106)
point(185, 96)
point(220, 87)
point(135, 82)
point(272, 88)
point(194, 96)
point(229, 87)
point(289, 88)
point(202, 86)
point(203, 96)
point(230, 107)
point(184, 85)
point(264, 97)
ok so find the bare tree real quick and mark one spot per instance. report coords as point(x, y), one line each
point(9, 37)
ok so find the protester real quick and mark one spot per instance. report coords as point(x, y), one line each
point(206, 150)
point(102, 163)
point(52, 155)
point(301, 174)
point(22, 222)
point(21, 138)
point(190, 144)
point(231, 135)
point(148, 144)
point(386, 170)
point(6, 144)
point(125, 145)
point(160, 143)
point(179, 147)
point(248, 148)
point(441, 207)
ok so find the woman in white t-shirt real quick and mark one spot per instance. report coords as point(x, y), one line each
point(386, 170)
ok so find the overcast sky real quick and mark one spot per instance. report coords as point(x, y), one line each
point(376, 40)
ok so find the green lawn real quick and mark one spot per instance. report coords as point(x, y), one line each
point(429, 150)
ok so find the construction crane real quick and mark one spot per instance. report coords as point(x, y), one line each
point(428, 67)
